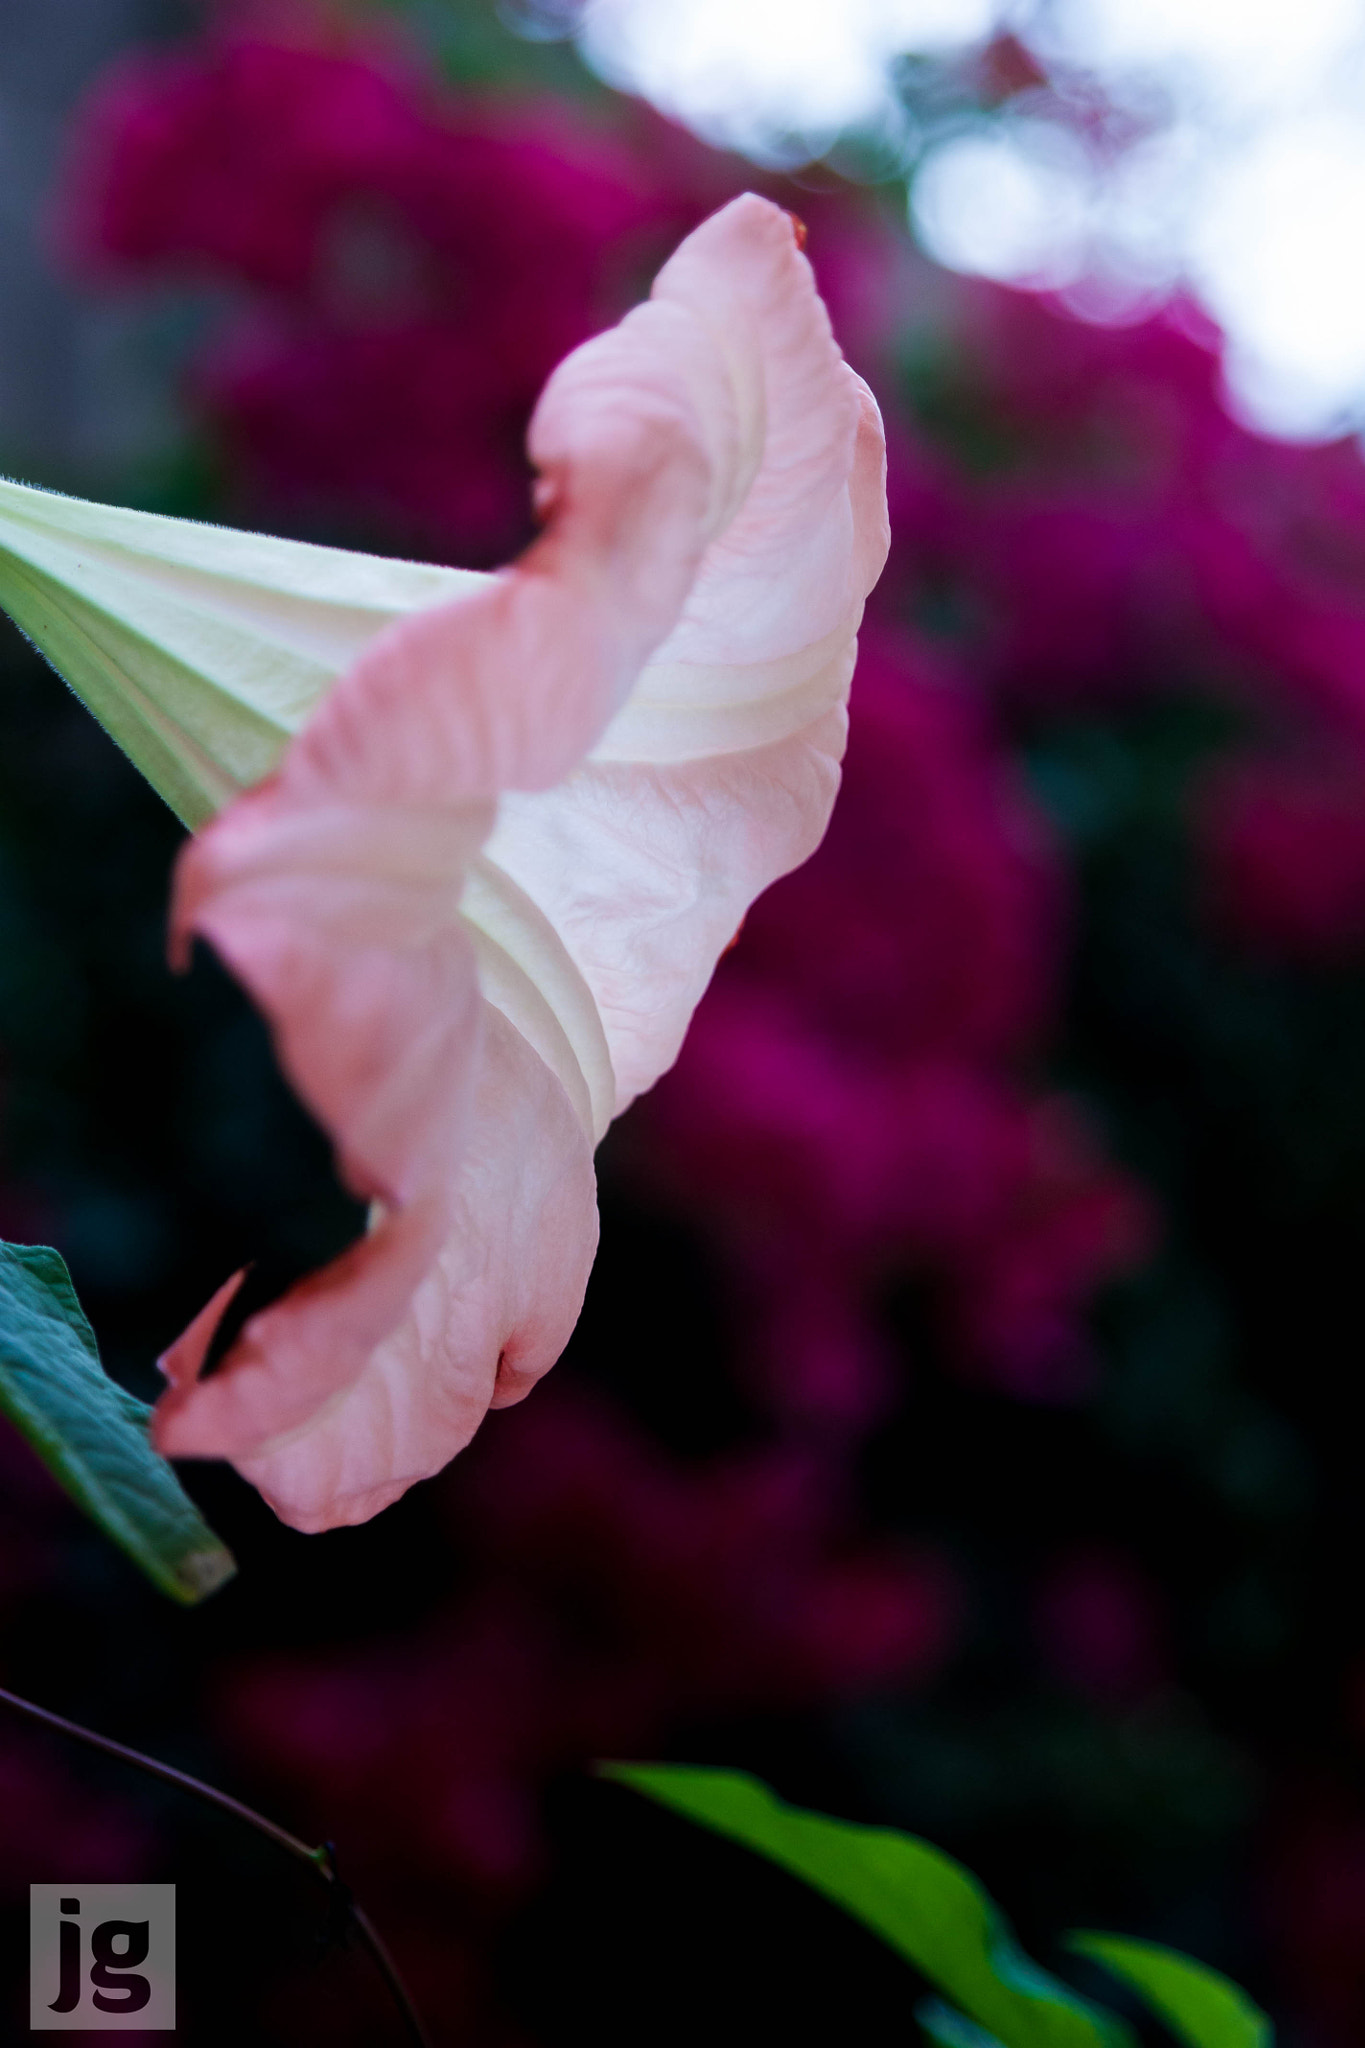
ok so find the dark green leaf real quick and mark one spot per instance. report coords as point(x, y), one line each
point(90, 1433)
point(1198, 2004)
point(926, 1906)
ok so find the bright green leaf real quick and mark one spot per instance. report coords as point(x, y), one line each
point(923, 1904)
point(200, 649)
point(1202, 2007)
point(90, 1433)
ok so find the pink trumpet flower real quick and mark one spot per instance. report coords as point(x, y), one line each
point(485, 888)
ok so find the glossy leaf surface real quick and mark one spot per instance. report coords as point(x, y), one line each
point(922, 1903)
point(92, 1434)
point(1199, 2005)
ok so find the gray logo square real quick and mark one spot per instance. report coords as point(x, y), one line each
point(101, 1956)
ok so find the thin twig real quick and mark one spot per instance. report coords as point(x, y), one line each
point(322, 1861)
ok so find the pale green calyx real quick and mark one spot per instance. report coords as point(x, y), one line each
point(200, 649)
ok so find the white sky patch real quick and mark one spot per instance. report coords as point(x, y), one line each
point(1218, 54)
point(1251, 192)
point(779, 79)
point(1249, 188)
point(1013, 205)
point(1277, 253)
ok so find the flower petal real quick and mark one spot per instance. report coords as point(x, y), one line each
point(719, 773)
point(335, 892)
point(646, 873)
point(465, 1023)
point(730, 676)
point(492, 1312)
point(200, 649)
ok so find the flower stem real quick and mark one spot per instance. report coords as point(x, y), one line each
point(322, 1861)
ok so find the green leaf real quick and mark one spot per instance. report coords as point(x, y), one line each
point(90, 1433)
point(200, 649)
point(951, 2028)
point(1198, 2004)
point(923, 1904)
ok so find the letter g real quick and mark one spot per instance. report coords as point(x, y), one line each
point(112, 1968)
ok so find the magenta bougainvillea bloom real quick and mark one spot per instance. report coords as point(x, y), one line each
point(408, 270)
point(1115, 536)
point(618, 1591)
point(486, 887)
point(852, 1104)
point(1283, 854)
